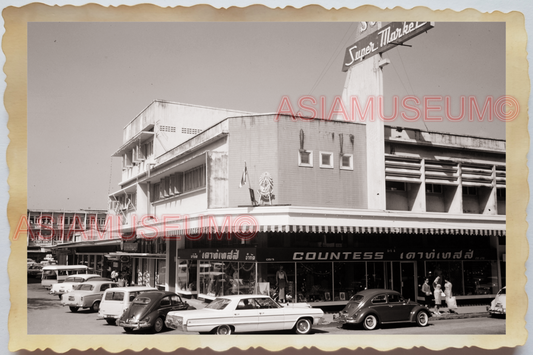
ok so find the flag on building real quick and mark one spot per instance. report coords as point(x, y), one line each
point(244, 177)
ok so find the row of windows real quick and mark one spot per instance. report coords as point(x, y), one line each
point(325, 160)
point(438, 189)
point(67, 221)
point(179, 183)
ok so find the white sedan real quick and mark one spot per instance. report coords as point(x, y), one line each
point(245, 313)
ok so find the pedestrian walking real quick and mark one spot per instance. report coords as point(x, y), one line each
point(426, 290)
point(114, 275)
point(450, 300)
point(438, 297)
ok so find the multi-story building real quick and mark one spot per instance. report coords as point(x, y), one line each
point(67, 234)
point(188, 225)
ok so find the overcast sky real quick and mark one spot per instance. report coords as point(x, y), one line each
point(86, 81)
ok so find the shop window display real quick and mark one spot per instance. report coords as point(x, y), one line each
point(314, 282)
point(480, 277)
point(187, 275)
point(349, 279)
point(376, 275)
point(160, 274)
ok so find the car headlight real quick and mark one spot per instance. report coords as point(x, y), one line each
point(146, 319)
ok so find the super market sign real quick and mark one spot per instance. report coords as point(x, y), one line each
point(387, 37)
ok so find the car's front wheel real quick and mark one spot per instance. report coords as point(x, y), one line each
point(111, 321)
point(74, 309)
point(303, 326)
point(128, 330)
point(370, 322)
point(224, 330)
point(422, 319)
point(159, 325)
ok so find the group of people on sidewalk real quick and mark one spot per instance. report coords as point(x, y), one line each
point(440, 291)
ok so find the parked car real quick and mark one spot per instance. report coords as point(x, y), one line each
point(246, 313)
point(149, 309)
point(116, 300)
point(373, 307)
point(87, 295)
point(70, 282)
point(35, 271)
point(30, 262)
point(498, 304)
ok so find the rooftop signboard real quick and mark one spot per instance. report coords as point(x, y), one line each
point(381, 40)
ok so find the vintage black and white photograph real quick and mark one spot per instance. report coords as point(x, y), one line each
point(268, 179)
point(292, 178)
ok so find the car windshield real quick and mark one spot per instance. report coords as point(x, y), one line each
point(142, 300)
point(85, 287)
point(114, 296)
point(356, 298)
point(219, 303)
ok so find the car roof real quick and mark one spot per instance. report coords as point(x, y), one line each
point(375, 291)
point(90, 282)
point(157, 294)
point(132, 288)
point(238, 297)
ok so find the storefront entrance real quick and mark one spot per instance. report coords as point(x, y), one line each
point(404, 276)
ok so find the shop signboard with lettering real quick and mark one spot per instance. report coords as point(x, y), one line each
point(131, 247)
point(342, 254)
point(219, 254)
point(383, 39)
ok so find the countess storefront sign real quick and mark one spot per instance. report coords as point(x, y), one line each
point(324, 254)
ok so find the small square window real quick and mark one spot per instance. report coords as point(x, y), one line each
point(326, 160)
point(305, 158)
point(347, 162)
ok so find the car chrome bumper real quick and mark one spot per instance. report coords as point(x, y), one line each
point(134, 325)
point(496, 310)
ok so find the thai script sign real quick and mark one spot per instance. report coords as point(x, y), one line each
point(225, 254)
point(387, 37)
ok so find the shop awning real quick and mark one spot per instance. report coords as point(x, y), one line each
point(136, 255)
point(192, 232)
point(88, 243)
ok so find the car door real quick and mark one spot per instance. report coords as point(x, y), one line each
point(272, 316)
point(379, 305)
point(398, 309)
point(246, 315)
point(177, 303)
point(165, 306)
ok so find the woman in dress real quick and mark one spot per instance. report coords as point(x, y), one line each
point(438, 297)
point(452, 306)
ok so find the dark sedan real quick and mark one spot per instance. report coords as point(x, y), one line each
point(379, 306)
point(149, 309)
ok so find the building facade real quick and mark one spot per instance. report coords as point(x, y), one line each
point(215, 202)
point(72, 237)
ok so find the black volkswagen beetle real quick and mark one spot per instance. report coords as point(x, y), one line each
point(149, 309)
point(380, 306)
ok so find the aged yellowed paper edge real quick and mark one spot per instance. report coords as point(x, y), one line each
point(14, 45)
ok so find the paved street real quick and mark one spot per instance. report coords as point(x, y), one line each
point(47, 316)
